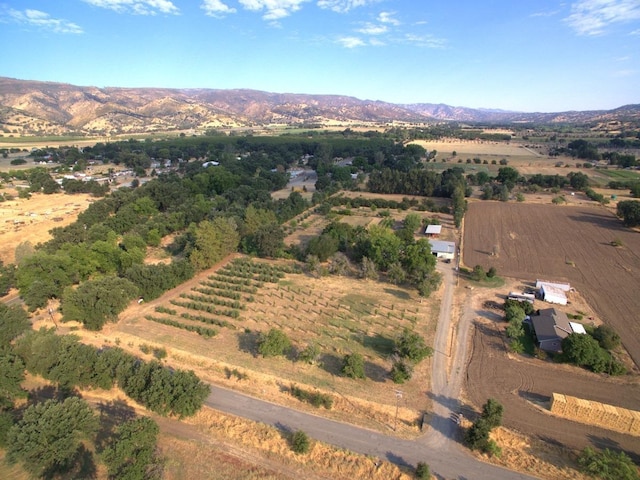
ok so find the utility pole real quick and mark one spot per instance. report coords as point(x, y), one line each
point(398, 397)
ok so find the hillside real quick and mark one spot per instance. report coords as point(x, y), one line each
point(47, 108)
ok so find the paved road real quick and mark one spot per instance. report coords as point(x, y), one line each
point(438, 448)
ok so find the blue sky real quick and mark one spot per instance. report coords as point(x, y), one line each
point(525, 55)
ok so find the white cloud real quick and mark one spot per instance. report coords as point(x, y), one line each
point(387, 17)
point(428, 41)
point(215, 8)
point(274, 9)
point(549, 13)
point(591, 17)
point(37, 18)
point(343, 6)
point(138, 7)
point(635, 32)
point(372, 29)
point(351, 42)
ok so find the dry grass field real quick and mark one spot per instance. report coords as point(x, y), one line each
point(31, 219)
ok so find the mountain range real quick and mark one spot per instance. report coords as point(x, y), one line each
point(46, 108)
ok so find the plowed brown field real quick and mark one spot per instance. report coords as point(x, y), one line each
point(563, 243)
point(554, 243)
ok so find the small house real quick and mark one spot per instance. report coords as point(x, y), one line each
point(551, 326)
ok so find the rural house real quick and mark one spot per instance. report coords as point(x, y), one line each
point(440, 249)
point(551, 326)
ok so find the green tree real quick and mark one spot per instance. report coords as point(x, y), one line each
point(353, 366)
point(269, 240)
point(96, 302)
point(430, 284)
point(211, 241)
point(508, 176)
point(629, 211)
point(418, 261)
point(14, 321)
point(607, 465)
point(12, 368)
point(47, 439)
point(274, 343)
point(585, 351)
point(578, 180)
point(7, 278)
point(132, 455)
point(411, 345)
point(368, 269)
point(492, 412)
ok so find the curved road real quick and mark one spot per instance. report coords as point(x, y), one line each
point(438, 448)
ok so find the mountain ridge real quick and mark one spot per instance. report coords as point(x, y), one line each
point(34, 107)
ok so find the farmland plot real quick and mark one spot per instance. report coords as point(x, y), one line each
point(570, 244)
point(217, 319)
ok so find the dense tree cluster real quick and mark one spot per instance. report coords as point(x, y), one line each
point(629, 211)
point(68, 363)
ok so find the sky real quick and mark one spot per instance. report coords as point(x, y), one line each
point(519, 55)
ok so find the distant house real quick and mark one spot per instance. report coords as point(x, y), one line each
point(440, 249)
point(551, 326)
point(433, 230)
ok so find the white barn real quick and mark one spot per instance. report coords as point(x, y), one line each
point(552, 294)
point(441, 249)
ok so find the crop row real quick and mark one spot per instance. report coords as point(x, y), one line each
point(244, 288)
point(214, 301)
point(203, 331)
point(193, 305)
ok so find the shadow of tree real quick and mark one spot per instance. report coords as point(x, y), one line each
point(248, 342)
point(380, 344)
point(331, 363)
point(375, 372)
point(112, 414)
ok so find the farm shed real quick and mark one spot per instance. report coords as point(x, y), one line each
point(433, 230)
point(550, 327)
point(565, 287)
point(440, 249)
point(552, 294)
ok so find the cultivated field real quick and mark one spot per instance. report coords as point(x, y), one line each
point(570, 243)
point(563, 243)
point(212, 323)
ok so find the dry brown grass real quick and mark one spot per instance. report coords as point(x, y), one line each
point(529, 455)
point(323, 461)
point(32, 219)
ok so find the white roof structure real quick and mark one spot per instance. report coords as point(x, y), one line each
point(433, 230)
point(577, 328)
point(441, 247)
point(552, 294)
point(565, 287)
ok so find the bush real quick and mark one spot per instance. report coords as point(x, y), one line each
point(606, 337)
point(423, 472)
point(300, 442)
point(411, 346)
point(353, 366)
point(607, 465)
point(401, 372)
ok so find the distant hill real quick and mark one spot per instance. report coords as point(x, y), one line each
point(48, 108)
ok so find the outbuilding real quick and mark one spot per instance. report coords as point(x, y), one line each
point(433, 230)
point(552, 294)
point(441, 249)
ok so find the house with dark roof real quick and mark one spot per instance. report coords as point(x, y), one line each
point(551, 326)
